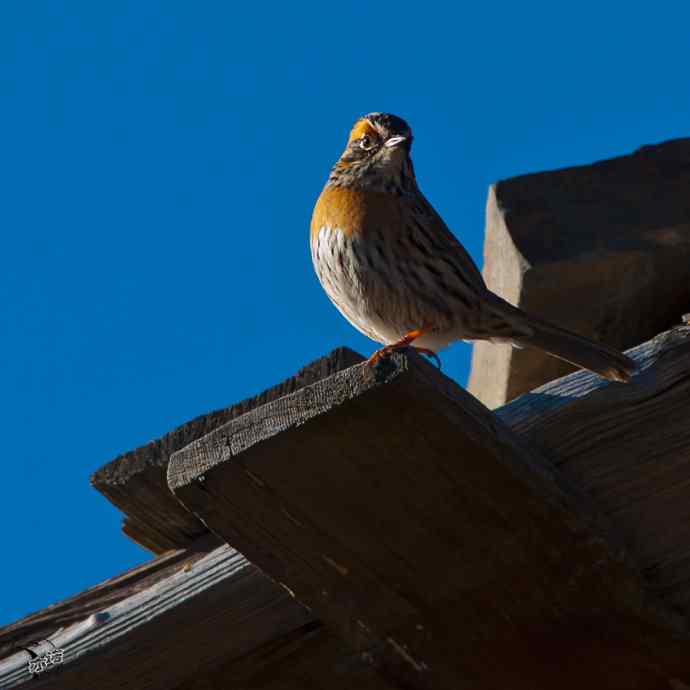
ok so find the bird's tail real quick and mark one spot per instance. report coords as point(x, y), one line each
point(582, 352)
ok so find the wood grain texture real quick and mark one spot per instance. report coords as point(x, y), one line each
point(197, 618)
point(628, 447)
point(600, 249)
point(205, 613)
point(428, 535)
point(40, 625)
point(135, 481)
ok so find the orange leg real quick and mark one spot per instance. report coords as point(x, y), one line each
point(405, 342)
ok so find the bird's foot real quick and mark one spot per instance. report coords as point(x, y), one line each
point(402, 344)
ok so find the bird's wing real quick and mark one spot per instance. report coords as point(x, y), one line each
point(504, 317)
point(450, 247)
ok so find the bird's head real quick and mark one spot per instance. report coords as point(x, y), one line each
point(377, 155)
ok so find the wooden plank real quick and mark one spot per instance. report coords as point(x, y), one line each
point(135, 481)
point(205, 613)
point(427, 535)
point(42, 624)
point(199, 617)
point(309, 656)
point(629, 448)
point(601, 249)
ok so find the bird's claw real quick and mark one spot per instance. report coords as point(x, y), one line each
point(385, 351)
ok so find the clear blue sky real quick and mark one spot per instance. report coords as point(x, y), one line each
point(158, 167)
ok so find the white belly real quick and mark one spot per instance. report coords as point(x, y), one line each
point(380, 306)
point(343, 276)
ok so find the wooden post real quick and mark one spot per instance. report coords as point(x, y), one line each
point(601, 249)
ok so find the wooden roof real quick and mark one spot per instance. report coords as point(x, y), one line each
point(424, 536)
point(135, 482)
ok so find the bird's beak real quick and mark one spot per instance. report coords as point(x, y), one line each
point(394, 141)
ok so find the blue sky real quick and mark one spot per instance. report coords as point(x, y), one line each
point(158, 168)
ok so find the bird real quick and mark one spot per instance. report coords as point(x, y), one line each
point(394, 270)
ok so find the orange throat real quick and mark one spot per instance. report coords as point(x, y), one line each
point(353, 211)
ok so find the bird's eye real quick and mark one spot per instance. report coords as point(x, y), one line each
point(366, 143)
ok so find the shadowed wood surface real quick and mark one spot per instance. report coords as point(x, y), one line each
point(190, 619)
point(426, 534)
point(600, 249)
point(580, 418)
point(135, 482)
point(312, 658)
point(629, 448)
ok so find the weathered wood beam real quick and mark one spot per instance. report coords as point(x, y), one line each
point(424, 532)
point(628, 447)
point(135, 481)
point(310, 656)
point(198, 617)
point(165, 631)
point(42, 624)
point(601, 249)
point(544, 417)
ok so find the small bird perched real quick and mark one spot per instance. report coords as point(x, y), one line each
point(396, 272)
